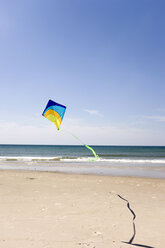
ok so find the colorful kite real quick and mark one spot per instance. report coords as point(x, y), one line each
point(54, 112)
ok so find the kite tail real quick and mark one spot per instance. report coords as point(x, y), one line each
point(88, 147)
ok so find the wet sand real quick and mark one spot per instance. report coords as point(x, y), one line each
point(53, 210)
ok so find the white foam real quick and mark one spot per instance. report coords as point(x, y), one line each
point(161, 161)
point(80, 159)
point(24, 159)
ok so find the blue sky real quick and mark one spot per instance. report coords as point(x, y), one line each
point(103, 59)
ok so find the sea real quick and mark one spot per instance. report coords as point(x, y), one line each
point(135, 161)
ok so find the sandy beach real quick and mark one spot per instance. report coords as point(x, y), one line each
point(49, 210)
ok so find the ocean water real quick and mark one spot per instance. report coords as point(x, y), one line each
point(145, 161)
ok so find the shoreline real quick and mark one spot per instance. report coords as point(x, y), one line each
point(45, 209)
point(112, 171)
point(88, 169)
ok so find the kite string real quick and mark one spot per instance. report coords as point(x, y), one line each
point(88, 147)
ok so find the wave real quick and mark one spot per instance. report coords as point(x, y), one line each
point(81, 159)
point(32, 159)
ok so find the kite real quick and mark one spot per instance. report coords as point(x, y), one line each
point(54, 112)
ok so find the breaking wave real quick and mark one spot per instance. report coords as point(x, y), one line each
point(81, 159)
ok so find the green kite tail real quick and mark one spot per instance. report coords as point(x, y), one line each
point(88, 147)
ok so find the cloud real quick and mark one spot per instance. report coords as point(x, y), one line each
point(93, 112)
point(154, 118)
point(14, 133)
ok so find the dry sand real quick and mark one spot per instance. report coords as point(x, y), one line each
point(50, 210)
